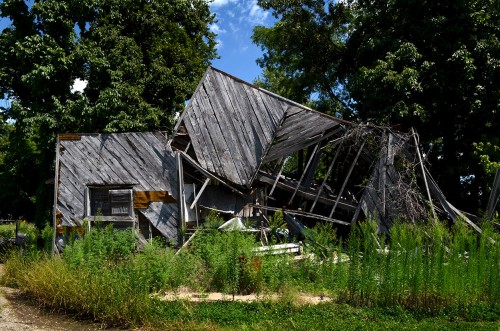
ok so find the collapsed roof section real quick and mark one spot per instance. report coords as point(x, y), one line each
point(234, 127)
point(309, 165)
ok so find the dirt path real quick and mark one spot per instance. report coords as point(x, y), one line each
point(19, 313)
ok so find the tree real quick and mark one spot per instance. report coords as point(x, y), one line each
point(140, 60)
point(432, 65)
point(304, 51)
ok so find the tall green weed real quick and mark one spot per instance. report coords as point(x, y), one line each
point(430, 269)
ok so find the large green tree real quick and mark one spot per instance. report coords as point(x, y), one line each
point(432, 65)
point(138, 59)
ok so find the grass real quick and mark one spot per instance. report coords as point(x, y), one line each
point(424, 276)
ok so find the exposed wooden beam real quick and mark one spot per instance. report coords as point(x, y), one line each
point(494, 196)
point(199, 193)
point(434, 217)
point(314, 165)
point(304, 173)
point(347, 178)
point(56, 190)
point(208, 174)
point(330, 168)
point(181, 192)
point(278, 177)
point(302, 213)
point(310, 196)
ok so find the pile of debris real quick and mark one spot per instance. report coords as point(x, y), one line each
point(245, 152)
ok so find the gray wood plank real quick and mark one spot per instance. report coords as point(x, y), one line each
point(276, 108)
point(286, 148)
point(211, 140)
point(242, 121)
point(114, 159)
point(249, 136)
point(195, 135)
point(221, 137)
point(157, 163)
point(259, 119)
point(256, 117)
point(205, 151)
point(120, 157)
point(86, 165)
point(263, 114)
point(68, 203)
point(304, 126)
point(227, 120)
point(163, 217)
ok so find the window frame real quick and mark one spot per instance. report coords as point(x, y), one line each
point(117, 191)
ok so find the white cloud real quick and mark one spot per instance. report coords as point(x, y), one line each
point(220, 3)
point(78, 85)
point(215, 28)
point(257, 14)
point(234, 28)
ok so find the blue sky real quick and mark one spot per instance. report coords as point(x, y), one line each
point(3, 23)
point(236, 20)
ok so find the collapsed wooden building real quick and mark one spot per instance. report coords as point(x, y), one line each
point(245, 152)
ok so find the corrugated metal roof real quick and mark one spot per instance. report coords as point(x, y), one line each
point(235, 127)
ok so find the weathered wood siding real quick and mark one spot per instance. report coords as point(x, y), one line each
point(142, 160)
point(235, 127)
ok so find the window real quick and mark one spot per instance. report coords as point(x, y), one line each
point(110, 202)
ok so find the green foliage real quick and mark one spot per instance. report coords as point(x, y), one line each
point(422, 276)
point(432, 66)
point(276, 224)
point(100, 245)
point(47, 234)
point(228, 260)
point(488, 154)
point(140, 60)
point(25, 228)
point(322, 240)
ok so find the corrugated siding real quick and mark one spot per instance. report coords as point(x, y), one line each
point(142, 160)
point(235, 127)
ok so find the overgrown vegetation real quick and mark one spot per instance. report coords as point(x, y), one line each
point(27, 237)
point(421, 275)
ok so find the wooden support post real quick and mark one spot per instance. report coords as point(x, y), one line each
point(434, 217)
point(330, 168)
point(278, 177)
point(187, 147)
point(347, 178)
point(307, 195)
point(200, 193)
point(208, 174)
point(494, 196)
point(181, 192)
point(187, 242)
point(383, 175)
point(311, 170)
point(56, 190)
point(278, 166)
point(302, 213)
point(304, 173)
